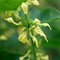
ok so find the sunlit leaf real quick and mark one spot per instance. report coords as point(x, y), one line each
point(10, 4)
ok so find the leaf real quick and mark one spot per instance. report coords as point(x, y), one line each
point(53, 36)
point(49, 15)
point(10, 4)
point(54, 3)
point(11, 44)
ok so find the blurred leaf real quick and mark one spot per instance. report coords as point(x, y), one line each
point(54, 3)
point(53, 35)
point(49, 14)
point(10, 4)
point(11, 45)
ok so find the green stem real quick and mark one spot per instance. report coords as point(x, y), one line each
point(33, 50)
point(32, 43)
point(32, 47)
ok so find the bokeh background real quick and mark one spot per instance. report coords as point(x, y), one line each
point(48, 11)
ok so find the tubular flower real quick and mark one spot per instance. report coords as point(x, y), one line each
point(23, 37)
point(37, 21)
point(2, 37)
point(34, 39)
point(26, 55)
point(35, 2)
point(25, 7)
point(11, 20)
point(45, 24)
point(38, 30)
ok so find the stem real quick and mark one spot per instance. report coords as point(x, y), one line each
point(32, 43)
point(32, 47)
point(33, 50)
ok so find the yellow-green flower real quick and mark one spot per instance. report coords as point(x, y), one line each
point(34, 28)
point(37, 21)
point(2, 37)
point(35, 2)
point(34, 40)
point(23, 37)
point(38, 30)
point(25, 7)
point(11, 20)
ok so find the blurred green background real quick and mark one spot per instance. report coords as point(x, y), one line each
point(48, 11)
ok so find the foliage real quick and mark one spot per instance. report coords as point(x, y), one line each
point(10, 4)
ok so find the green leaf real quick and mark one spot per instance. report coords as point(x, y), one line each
point(53, 36)
point(10, 4)
point(54, 3)
point(49, 15)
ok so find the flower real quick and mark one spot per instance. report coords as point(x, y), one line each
point(2, 37)
point(45, 24)
point(34, 39)
point(10, 19)
point(38, 30)
point(45, 57)
point(26, 55)
point(37, 21)
point(25, 7)
point(35, 2)
point(23, 37)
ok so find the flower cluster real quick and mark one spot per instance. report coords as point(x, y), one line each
point(34, 25)
point(34, 28)
point(29, 28)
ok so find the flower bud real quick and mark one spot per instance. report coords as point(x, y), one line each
point(10, 19)
point(37, 21)
point(25, 7)
point(35, 2)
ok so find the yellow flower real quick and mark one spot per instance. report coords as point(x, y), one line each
point(10, 19)
point(25, 7)
point(37, 21)
point(2, 37)
point(34, 39)
point(45, 24)
point(45, 57)
point(26, 55)
point(35, 2)
point(38, 30)
point(23, 37)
